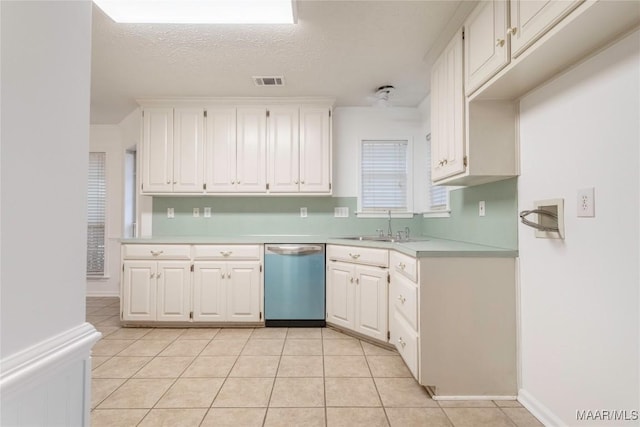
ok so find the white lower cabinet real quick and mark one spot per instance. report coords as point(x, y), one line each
point(221, 283)
point(156, 291)
point(404, 309)
point(356, 293)
point(226, 291)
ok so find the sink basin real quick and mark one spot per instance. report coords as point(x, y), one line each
point(382, 239)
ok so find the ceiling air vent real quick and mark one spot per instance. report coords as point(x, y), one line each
point(268, 80)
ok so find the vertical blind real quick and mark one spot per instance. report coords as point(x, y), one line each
point(438, 196)
point(384, 176)
point(96, 214)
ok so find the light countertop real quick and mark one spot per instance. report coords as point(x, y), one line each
point(422, 246)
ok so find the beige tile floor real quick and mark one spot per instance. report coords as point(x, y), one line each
point(263, 377)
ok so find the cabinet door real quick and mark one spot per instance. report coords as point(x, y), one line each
point(243, 292)
point(174, 291)
point(139, 290)
point(371, 302)
point(283, 163)
point(220, 150)
point(447, 105)
point(157, 150)
point(251, 155)
point(340, 294)
point(188, 141)
point(530, 19)
point(486, 46)
point(209, 292)
point(315, 150)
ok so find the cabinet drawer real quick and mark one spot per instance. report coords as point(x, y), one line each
point(227, 252)
point(355, 254)
point(406, 342)
point(405, 265)
point(156, 251)
point(403, 298)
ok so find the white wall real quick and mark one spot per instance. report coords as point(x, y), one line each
point(352, 124)
point(44, 340)
point(580, 297)
point(108, 139)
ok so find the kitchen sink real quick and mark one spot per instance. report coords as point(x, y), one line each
point(383, 239)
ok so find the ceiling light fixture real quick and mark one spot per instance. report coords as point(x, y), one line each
point(382, 95)
point(200, 11)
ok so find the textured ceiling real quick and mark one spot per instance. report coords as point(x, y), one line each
point(340, 49)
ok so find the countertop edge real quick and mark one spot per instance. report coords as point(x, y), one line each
point(429, 247)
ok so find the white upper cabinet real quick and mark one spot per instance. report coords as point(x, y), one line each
point(299, 141)
point(486, 44)
point(530, 19)
point(217, 147)
point(284, 140)
point(251, 150)
point(172, 150)
point(447, 107)
point(188, 142)
point(315, 150)
point(157, 150)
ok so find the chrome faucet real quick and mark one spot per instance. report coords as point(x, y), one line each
point(389, 232)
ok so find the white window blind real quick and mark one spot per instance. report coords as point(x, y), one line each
point(437, 196)
point(96, 214)
point(384, 176)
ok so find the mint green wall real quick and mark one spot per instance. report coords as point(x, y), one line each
point(281, 215)
point(266, 215)
point(498, 228)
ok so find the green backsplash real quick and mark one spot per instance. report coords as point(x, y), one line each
point(267, 215)
point(281, 215)
point(499, 227)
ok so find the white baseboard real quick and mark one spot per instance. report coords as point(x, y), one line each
point(49, 383)
point(92, 293)
point(540, 411)
point(474, 397)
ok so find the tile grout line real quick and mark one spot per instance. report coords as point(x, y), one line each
point(324, 379)
point(273, 386)
point(384, 409)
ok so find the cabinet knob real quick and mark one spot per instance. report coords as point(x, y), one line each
point(354, 256)
point(512, 30)
point(238, 182)
point(357, 281)
point(158, 275)
point(225, 253)
point(228, 275)
point(156, 253)
point(233, 182)
point(302, 182)
point(401, 299)
point(295, 182)
point(500, 42)
point(168, 182)
point(175, 182)
point(151, 276)
point(445, 161)
point(402, 265)
point(401, 342)
point(351, 280)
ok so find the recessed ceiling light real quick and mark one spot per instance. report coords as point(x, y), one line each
point(200, 11)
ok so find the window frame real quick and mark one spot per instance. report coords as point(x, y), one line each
point(409, 212)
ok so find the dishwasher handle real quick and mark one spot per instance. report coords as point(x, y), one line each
point(294, 249)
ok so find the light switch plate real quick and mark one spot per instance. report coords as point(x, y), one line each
point(303, 212)
point(341, 212)
point(207, 212)
point(170, 213)
point(196, 212)
point(481, 208)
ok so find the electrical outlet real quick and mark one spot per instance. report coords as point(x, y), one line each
point(586, 203)
point(207, 212)
point(303, 212)
point(196, 212)
point(170, 213)
point(481, 208)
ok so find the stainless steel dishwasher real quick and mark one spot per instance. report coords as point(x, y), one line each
point(294, 285)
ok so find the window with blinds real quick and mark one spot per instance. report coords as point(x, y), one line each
point(437, 196)
point(384, 176)
point(96, 214)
